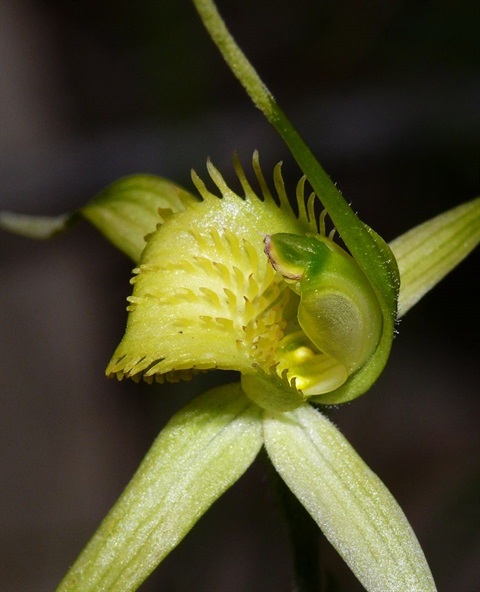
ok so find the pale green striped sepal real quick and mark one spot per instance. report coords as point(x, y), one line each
point(125, 213)
point(427, 253)
point(131, 208)
point(201, 452)
point(354, 509)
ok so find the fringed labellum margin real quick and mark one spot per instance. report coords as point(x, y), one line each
point(303, 318)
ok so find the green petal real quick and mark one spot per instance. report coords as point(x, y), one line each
point(427, 253)
point(131, 208)
point(351, 505)
point(201, 452)
point(125, 212)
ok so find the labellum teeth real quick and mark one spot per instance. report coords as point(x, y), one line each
point(205, 296)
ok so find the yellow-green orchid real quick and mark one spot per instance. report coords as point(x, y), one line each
point(248, 282)
point(204, 276)
point(206, 295)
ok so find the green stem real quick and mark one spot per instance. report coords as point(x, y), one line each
point(352, 230)
point(369, 250)
point(305, 538)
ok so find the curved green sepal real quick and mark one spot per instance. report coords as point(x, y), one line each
point(201, 452)
point(131, 208)
point(428, 252)
point(370, 252)
point(125, 213)
point(354, 509)
point(363, 379)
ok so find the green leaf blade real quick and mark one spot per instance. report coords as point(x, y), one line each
point(351, 505)
point(201, 452)
point(428, 252)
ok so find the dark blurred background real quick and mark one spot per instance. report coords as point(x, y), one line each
point(386, 93)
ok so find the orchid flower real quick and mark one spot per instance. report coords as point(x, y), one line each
point(247, 282)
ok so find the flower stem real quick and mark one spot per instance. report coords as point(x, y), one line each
point(342, 215)
point(371, 253)
point(305, 538)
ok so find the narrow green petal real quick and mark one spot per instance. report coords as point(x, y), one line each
point(130, 208)
point(427, 253)
point(201, 452)
point(351, 505)
point(125, 212)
